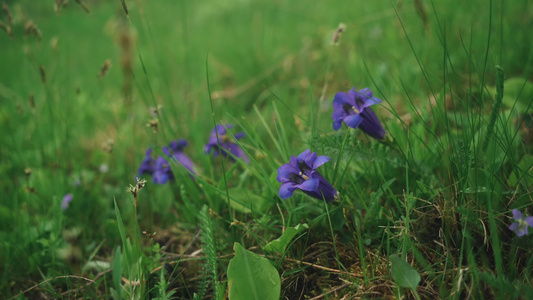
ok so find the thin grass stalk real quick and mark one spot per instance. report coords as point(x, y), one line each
point(230, 210)
point(496, 104)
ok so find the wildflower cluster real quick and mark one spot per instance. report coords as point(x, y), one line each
point(352, 108)
point(160, 169)
point(224, 144)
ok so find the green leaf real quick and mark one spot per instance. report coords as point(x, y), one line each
point(518, 93)
point(222, 289)
point(523, 172)
point(252, 277)
point(280, 244)
point(403, 274)
point(114, 294)
point(481, 181)
point(337, 218)
point(246, 201)
point(120, 224)
point(117, 271)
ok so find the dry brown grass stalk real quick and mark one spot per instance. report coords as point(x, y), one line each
point(30, 190)
point(125, 7)
point(421, 10)
point(32, 100)
point(27, 172)
point(105, 67)
point(126, 42)
point(43, 73)
point(108, 145)
point(84, 6)
point(54, 43)
point(338, 33)
point(154, 111)
point(326, 294)
point(7, 29)
point(59, 5)
point(54, 278)
point(31, 28)
point(6, 10)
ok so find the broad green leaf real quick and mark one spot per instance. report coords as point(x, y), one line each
point(523, 172)
point(252, 277)
point(337, 218)
point(281, 243)
point(246, 201)
point(517, 93)
point(114, 294)
point(403, 274)
point(482, 182)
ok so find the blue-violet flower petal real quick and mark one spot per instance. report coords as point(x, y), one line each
point(353, 108)
point(225, 143)
point(300, 173)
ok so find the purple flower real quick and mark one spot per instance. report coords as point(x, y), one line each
point(226, 143)
point(175, 151)
point(66, 200)
point(162, 172)
point(148, 164)
point(354, 110)
point(301, 174)
point(521, 224)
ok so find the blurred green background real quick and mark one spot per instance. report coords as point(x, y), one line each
point(78, 79)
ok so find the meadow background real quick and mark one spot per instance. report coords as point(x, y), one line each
point(424, 213)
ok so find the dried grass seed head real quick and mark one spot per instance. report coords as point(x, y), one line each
point(31, 99)
point(43, 73)
point(337, 34)
point(84, 6)
point(31, 28)
point(9, 17)
point(105, 67)
point(153, 124)
point(6, 28)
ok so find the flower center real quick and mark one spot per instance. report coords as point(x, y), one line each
point(304, 176)
point(303, 166)
point(522, 225)
point(350, 109)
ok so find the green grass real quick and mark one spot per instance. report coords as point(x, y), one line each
point(438, 191)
